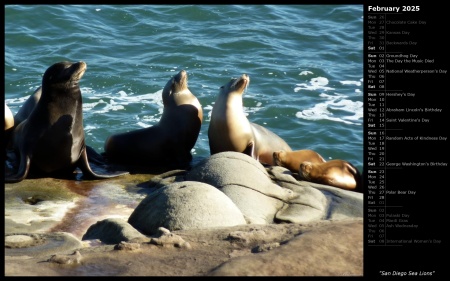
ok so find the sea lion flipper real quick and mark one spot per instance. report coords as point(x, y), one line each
point(94, 157)
point(22, 172)
point(250, 150)
point(87, 170)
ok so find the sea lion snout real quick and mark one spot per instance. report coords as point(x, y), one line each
point(241, 83)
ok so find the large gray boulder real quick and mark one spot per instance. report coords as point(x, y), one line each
point(231, 188)
point(262, 201)
point(185, 205)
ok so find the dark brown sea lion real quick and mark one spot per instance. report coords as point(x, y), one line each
point(291, 159)
point(28, 106)
point(230, 130)
point(169, 142)
point(338, 173)
point(50, 140)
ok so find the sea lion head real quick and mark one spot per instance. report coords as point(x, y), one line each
point(338, 173)
point(278, 156)
point(64, 74)
point(236, 85)
point(177, 84)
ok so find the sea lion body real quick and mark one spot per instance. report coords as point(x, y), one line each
point(167, 143)
point(230, 130)
point(291, 160)
point(338, 173)
point(51, 139)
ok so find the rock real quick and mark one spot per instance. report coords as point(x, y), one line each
point(247, 237)
point(330, 250)
point(38, 205)
point(250, 186)
point(75, 258)
point(169, 239)
point(216, 170)
point(125, 246)
point(113, 231)
point(40, 244)
point(265, 247)
point(342, 204)
point(332, 203)
point(322, 248)
point(65, 205)
point(245, 181)
point(185, 205)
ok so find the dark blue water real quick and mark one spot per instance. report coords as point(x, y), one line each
point(305, 63)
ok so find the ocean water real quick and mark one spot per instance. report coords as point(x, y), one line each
point(305, 64)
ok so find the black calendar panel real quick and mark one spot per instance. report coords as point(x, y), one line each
point(406, 139)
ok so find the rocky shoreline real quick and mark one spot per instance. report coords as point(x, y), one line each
point(178, 224)
point(326, 248)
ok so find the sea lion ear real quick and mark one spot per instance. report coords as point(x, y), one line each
point(276, 158)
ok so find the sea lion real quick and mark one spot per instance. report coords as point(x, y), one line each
point(9, 126)
point(337, 173)
point(51, 139)
point(28, 106)
point(23, 113)
point(291, 159)
point(169, 142)
point(9, 119)
point(230, 130)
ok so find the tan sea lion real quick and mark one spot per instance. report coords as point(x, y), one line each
point(9, 125)
point(291, 159)
point(50, 140)
point(230, 130)
point(9, 118)
point(338, 173)
point(169, 142)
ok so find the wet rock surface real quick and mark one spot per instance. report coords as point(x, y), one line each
point(40, 244)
